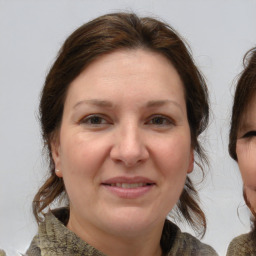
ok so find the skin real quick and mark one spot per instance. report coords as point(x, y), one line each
point(124, 118)
point(246, 152)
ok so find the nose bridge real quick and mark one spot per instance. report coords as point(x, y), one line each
point(129, 145)
point(131, 138)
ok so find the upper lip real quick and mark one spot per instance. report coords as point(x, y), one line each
point(128, 180)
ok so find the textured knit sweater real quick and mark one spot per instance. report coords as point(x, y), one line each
point(2, 253)
point(54, 239)
point(242, 246)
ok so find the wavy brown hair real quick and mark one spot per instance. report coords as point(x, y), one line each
point(245, 90)
point(104, 35)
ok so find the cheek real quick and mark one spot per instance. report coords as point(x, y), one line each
point(81, 161)
point(81, 156)
point(246, 155)
point(173, 154)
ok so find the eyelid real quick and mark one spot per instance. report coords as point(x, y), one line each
point(85, 119)
point(249, 134)
point(169, 120)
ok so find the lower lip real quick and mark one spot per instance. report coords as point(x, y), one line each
point(129, 193)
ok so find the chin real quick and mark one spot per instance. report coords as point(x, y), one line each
point(131, 222)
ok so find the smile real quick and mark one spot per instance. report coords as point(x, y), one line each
point(128, 185)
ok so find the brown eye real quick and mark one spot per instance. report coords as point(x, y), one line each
point(160, 120)
point(94, 120)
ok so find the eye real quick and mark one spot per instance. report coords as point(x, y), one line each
point(249, 134)
point(160, 120)
point(94, 120)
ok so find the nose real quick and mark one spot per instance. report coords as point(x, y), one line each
point(129, 147)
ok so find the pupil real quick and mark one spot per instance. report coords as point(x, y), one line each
point(95, 120)
point(158, 120)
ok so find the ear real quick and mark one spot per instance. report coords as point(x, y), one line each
point(55, 150)
point(191, 162)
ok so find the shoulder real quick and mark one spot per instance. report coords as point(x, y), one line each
point(2, 253)
point(241, 245)
point(193, 246)
point(54, 238)
point(188, 245)
point(49, 233)
point(34, 249)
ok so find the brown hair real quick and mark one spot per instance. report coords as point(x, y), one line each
point(245, 90)
point(104, 35)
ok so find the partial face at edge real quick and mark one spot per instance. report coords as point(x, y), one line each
point(124, 124)
point(246, 151)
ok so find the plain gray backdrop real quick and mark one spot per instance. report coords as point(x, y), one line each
point(219, 32)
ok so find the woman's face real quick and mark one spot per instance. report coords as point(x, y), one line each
point(246, 152)
point(124, 146)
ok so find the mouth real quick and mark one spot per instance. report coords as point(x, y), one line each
point(128, 188)
point(129, 185)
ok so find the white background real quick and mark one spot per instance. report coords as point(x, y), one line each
point(31, 32)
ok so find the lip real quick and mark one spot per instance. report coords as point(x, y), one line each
point(128, 187)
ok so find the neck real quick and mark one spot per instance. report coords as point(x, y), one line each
point(146, 243)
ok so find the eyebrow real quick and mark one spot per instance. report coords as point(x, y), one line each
point(108, 104)
point(160, 103)
point(246, 126)
point(95, 102)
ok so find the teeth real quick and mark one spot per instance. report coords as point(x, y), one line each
point(128, 185)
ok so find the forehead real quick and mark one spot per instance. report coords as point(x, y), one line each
point(248, 118)
point(142, 61)
point(133, 71)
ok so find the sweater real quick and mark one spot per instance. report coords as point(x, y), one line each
point(2, 253)
point(54, 239)
point(242, 245)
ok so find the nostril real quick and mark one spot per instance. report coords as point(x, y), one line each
point(129, 150)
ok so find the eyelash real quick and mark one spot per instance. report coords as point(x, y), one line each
point(97, 120)
point(249, 134)
point(95, 117)
point(167, 120)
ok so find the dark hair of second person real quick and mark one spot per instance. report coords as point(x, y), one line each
point(242, 141)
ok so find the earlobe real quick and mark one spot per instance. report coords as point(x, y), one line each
point(191, 162)
point(58, 173)
point(55, 150)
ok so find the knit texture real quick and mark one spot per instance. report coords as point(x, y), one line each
point(2, 253)
point(54, 239)
point(242, 245)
